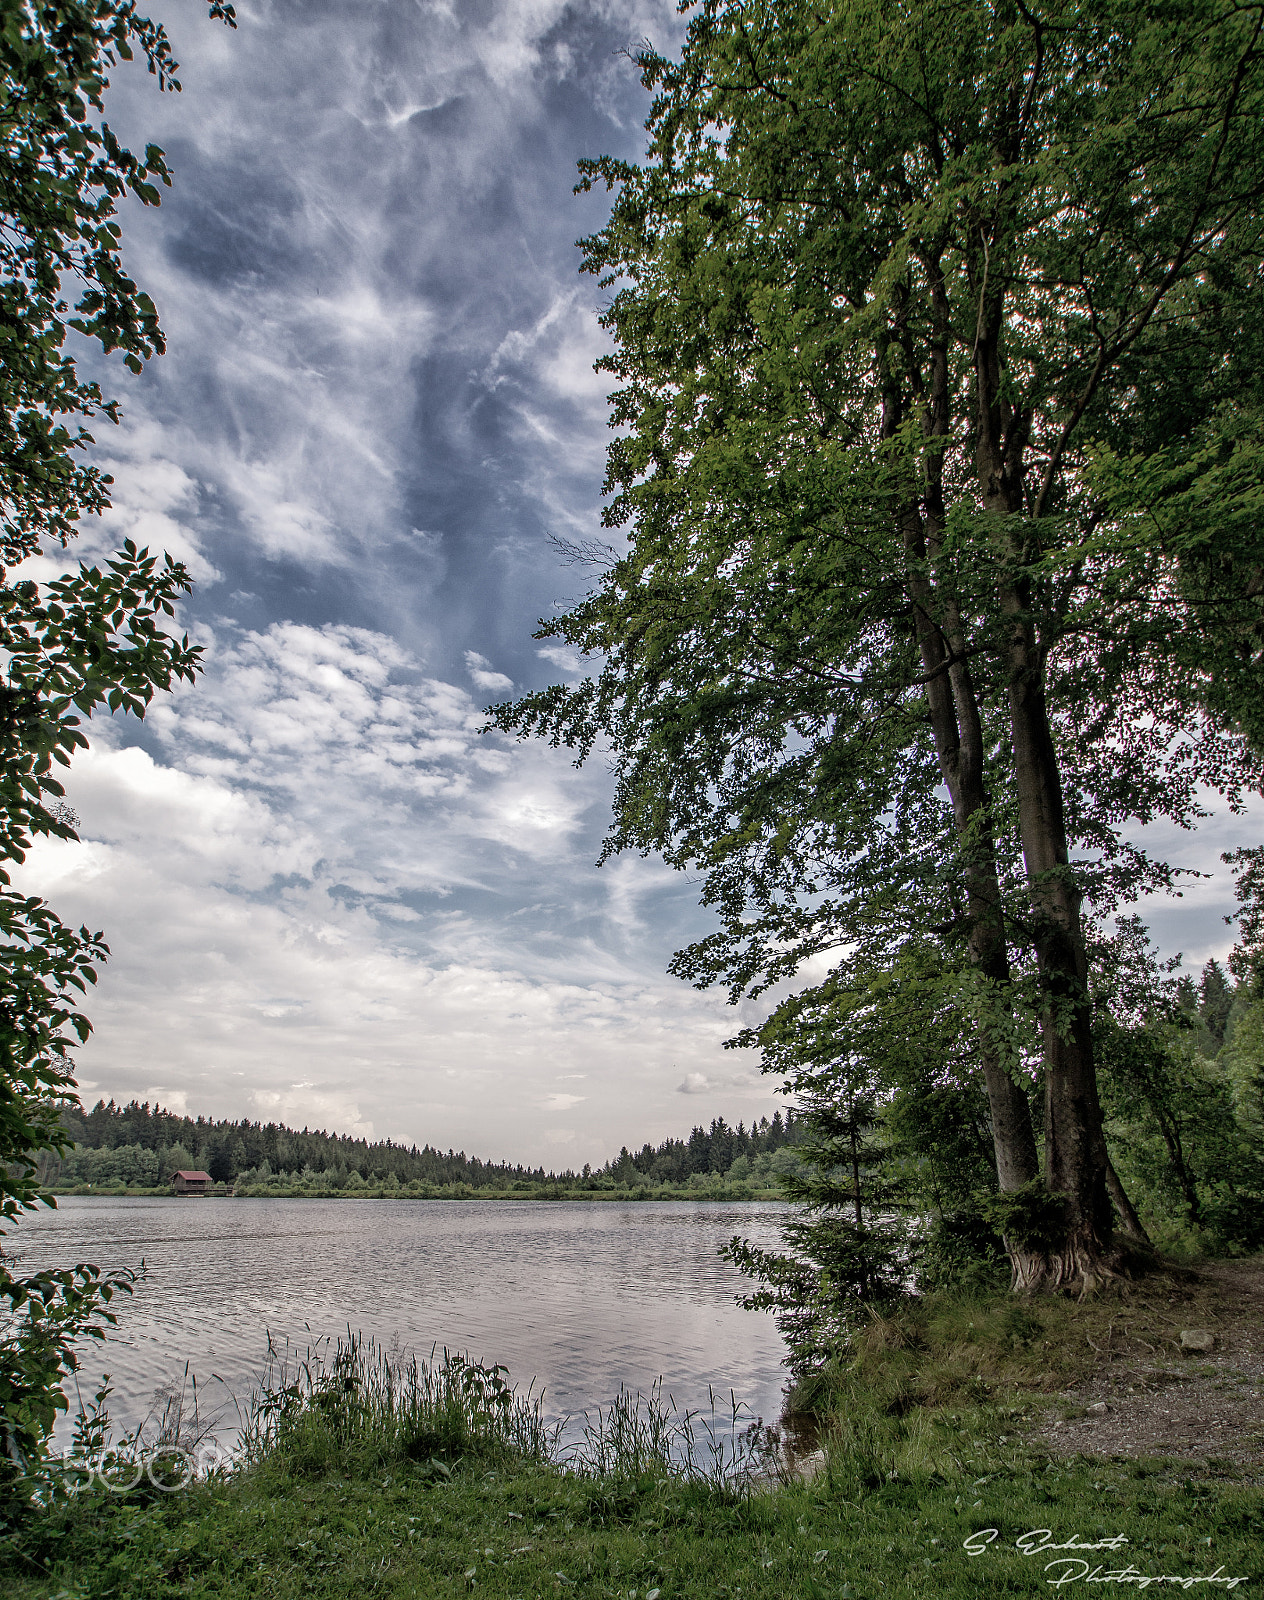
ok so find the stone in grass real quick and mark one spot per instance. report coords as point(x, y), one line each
point(1098, 1409)
point(1197, 1341)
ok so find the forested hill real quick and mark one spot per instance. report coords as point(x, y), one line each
point(143, 1144)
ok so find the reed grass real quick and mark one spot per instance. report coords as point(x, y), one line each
point(355, 1405)
point(364, 1470)
point(638, 1436)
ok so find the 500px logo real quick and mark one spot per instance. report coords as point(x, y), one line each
point(169, 1467)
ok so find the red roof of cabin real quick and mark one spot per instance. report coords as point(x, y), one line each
point(205, 1176)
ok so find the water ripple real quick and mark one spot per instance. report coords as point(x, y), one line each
point(580, 1296)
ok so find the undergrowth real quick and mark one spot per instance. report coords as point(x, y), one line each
point(355, 1406)
point(868, 1528)
point(951, 1349)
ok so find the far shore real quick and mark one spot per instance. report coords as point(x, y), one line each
point(734, 1192)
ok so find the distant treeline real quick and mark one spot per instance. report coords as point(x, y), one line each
point(142, 1145)
point(715, 1150)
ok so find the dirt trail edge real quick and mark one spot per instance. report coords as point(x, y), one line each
point(1205, 1406)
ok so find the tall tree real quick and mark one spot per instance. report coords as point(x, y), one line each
point(96, 639)
point(921, 315)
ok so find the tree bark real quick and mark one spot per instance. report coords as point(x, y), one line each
point(1075, 1146)
point(957, 728)
point(1170, 1129)
point(1132, 1223)
point(960, 762)
point(1075, 1156)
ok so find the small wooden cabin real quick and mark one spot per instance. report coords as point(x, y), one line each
point(191, 1182)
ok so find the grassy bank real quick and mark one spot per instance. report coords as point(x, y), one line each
point(367, 1476)
point(527, 1529)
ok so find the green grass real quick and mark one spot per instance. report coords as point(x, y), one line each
point(945, 1351)
point(365, 1474)
point(528, 1529)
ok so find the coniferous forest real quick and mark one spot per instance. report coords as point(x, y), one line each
point(140, 1146)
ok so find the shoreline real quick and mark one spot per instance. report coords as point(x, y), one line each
point(736, 1195)
point(443, 1489)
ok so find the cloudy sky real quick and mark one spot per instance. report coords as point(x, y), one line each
point(330, 899)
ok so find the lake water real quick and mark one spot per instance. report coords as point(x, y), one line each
point(581, 1297)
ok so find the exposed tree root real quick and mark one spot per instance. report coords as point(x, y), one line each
point(1079, 1268)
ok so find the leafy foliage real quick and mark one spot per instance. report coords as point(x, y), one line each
point(1179, 1064)
point(48, 1313)
point(64, 172)
point(935, 369)
point(96, 639)
point(898, 1167)
point(845, 1252)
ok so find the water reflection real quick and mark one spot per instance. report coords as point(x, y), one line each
point(580, 1296)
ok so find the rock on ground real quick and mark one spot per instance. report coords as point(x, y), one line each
point(1195, 1401)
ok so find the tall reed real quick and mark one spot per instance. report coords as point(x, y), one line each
point(638, 1435)
point(355, 1404)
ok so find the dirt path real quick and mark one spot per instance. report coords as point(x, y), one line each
point(1206, 1407)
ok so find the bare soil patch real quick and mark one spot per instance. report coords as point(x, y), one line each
point(1144, 1397)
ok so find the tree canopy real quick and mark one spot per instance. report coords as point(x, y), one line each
point(937, 398)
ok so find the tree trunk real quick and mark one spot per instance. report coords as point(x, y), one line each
point(1170, 1130)
point(1132, 1223)
point(1075, 1147)
point(1013, 1138)
point(958, 732)
point(855, 1179)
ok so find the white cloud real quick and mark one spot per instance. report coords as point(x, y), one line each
point(286, 883)
point(484, 677)
point(1192, 921)
point(301, 296)
point(156, 504)
point(564, 658)
point(330, 898)
point(175, 1101)
point(720, 1087)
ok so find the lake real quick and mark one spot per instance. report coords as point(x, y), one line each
point(581, 1297)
